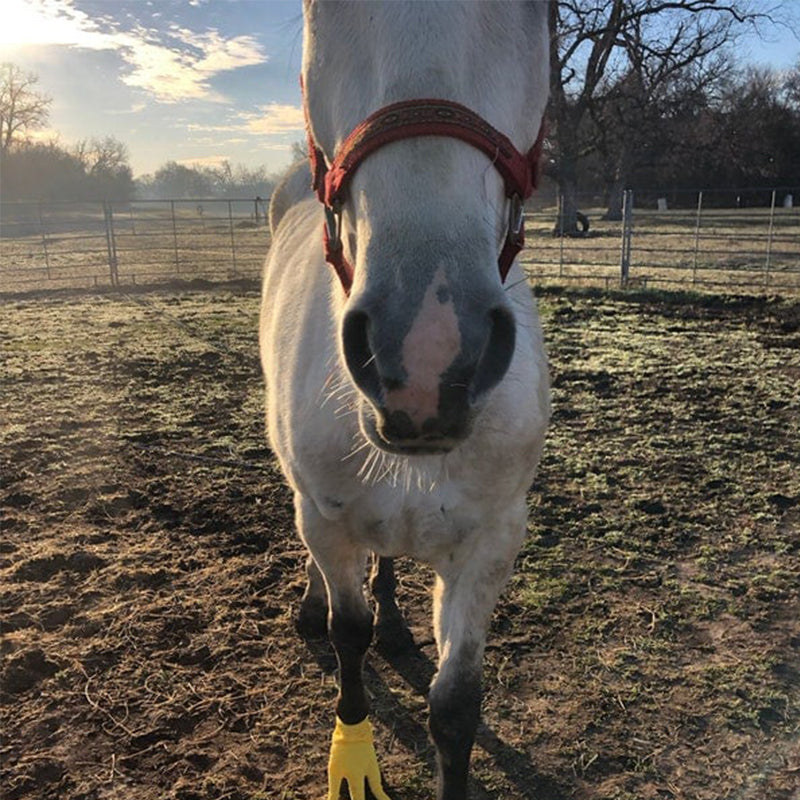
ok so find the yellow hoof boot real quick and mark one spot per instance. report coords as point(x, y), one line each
point(353, 760)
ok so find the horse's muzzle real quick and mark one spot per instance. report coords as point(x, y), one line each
point(423, 391)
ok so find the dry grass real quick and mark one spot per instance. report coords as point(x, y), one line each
point(731, 251)
point(646, 648)
point(150, 244)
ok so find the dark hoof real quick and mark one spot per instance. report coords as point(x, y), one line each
point(312, 619)
point(392, 636)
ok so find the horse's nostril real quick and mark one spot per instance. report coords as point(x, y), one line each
point(398, 425)
point(496, 356)
point(359, 355)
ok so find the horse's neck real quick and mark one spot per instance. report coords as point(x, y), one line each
point(362, 55)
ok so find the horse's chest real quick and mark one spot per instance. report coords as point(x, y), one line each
point(426, 527)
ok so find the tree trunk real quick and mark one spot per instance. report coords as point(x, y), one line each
point(567, 220)
point(618, 186)
point(570, 222)
point(615, 195)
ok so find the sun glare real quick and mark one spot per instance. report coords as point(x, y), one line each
point(40, 22)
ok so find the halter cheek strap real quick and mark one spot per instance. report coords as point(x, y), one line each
point(411, 118)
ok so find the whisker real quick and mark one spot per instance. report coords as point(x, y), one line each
point(363, 446)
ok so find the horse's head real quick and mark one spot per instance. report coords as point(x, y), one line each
point(427, 330)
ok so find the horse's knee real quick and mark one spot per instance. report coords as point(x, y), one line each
point(455, 707)
point(312, 618)
point(350, 629)
point(392, 635)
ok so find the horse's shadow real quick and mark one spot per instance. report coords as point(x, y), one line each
point(417, 670)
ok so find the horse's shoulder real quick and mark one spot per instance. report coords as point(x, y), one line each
point(294, 187)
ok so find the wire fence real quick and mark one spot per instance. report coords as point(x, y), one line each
point(48, 245)
point(716, 240)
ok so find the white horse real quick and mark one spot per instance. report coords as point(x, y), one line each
point(407, 387)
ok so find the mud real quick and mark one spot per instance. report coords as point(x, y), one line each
point(648, 645)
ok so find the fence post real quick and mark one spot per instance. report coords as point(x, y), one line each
point(560, 234)
point(233, 239)
point(111, 244)
point(175, 237)
point(627, 230)
point(697, 236)
point(769, 239)
point(44, 241)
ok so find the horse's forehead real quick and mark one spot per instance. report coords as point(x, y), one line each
point(482, 54)
point(495, 17)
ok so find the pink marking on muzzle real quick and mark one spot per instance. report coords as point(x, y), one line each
point(429, 348)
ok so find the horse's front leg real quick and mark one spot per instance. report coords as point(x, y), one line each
point(464, 597)
point(352, 754)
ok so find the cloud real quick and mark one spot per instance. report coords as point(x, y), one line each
point(171, 65)
point(272, 119)
point(136, 108)
point(41, 22)
point(275, 118)
point(183, 71)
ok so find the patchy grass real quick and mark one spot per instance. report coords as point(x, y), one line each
point(647, 646)
point(731, 250)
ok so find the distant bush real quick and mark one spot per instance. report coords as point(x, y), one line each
point(174, 181)
point(94, 170)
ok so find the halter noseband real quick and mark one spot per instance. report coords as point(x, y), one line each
point(405, 120)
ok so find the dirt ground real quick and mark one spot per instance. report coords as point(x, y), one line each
point(648, 646)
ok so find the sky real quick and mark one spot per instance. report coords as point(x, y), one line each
point(194, 81)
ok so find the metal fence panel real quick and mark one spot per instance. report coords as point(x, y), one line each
point(706, 240)
point(49, 245)
point(710, 239)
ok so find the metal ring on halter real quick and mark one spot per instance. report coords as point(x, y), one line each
point(516, 215)
point(333, 222)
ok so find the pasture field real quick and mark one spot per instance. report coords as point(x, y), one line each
point(647, 647)
point(68, 245)
point(725, 250)
point(733, 250)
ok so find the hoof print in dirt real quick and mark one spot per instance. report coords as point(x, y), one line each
point(43, 569)
point(38, 777)
point(24, 671)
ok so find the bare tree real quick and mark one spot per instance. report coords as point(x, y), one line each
point(791, 86)
point(632, 121)
point(22, 108)
point(598, 47)
point(102, 156)
point(299, 151)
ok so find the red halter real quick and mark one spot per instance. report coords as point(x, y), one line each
point(405, 120)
